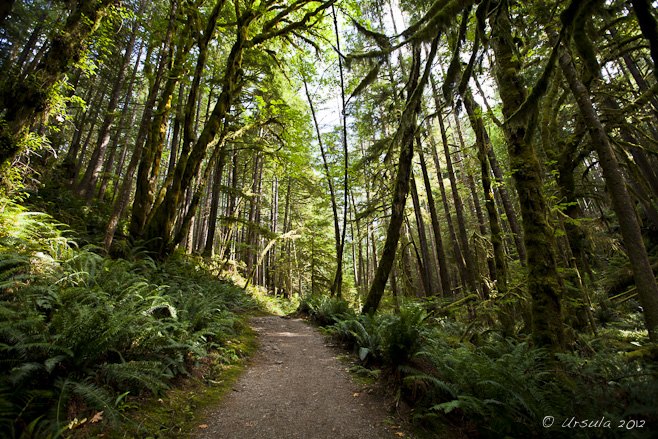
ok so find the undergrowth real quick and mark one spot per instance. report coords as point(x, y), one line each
point(82, 335)
point(497, 388)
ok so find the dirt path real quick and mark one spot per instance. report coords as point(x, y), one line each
point(296, 388)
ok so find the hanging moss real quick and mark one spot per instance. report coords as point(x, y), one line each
point(583, 43)
point(454, 70)
point(365, 82)
point(381, 39)
point(444, 17)
point(436, 7)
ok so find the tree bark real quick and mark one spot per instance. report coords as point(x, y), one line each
point(330, 183)
point(425, 261)
point(499, 272)
point(436, 228)
point(645, 280)
point(336, 287)
point(459, 205)
point(24, 101)
point(149, 166)
point(123, 198)
point(543, 284)
point(87, 186)
point(406, 132)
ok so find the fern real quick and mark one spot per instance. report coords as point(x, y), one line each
point(79, 331)
point(135, 375)
point(94, 396)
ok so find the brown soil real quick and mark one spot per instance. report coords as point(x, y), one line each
point(297, 388)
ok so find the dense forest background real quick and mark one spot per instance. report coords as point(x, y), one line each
point(466, 192)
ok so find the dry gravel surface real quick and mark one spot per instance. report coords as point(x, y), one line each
point(297, 388)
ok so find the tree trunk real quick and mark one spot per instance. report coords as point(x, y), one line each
point(438, 240)
point(499, 272)
point(506, 201)
point(87, 186)
point(25, 100)
point(543, 284)
point(120, 132)
point(425, 261)
point(149, 166)
point(645, 280)
point(336, 287)
point(214, 207)
point(459, 205)
point(459, 258)
point(406, 133)
point(161, 226)
point(123, 198)
point(644, 12)
point(330, 183)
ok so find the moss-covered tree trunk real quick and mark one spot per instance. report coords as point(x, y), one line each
point(469, 266)
point(459, 258)
point(543, 284)
point(499, 272)
point(214, 208)
point(123, 196)
point(436, 228)
point(87, 186)
point(160, 230)
point(407, 135)
point(645, 280)
point(149, 166)
point(23, 100)
point(425, 261)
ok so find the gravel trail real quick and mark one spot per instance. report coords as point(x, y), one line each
point(296, 388)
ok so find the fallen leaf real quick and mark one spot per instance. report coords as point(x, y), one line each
point(97, 417)
point(394, 427)
point(400, 434)
point(355, 395)
point(203, 426)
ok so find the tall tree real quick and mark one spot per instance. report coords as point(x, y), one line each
point(22, 100)
point(644, 278)
point(406, 136)
point(543, 277)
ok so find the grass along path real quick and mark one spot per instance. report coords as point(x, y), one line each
point(297, 388)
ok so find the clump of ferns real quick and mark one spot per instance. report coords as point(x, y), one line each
point(502, 387)
point(326, 310)
point(72, 339)
point(363, 333)
point(79, 331)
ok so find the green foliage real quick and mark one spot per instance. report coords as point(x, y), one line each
point(363, 332)
point(503, 388)
point(326, 310)
point(79, 332)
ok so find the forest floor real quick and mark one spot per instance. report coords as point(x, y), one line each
point(296, 387)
